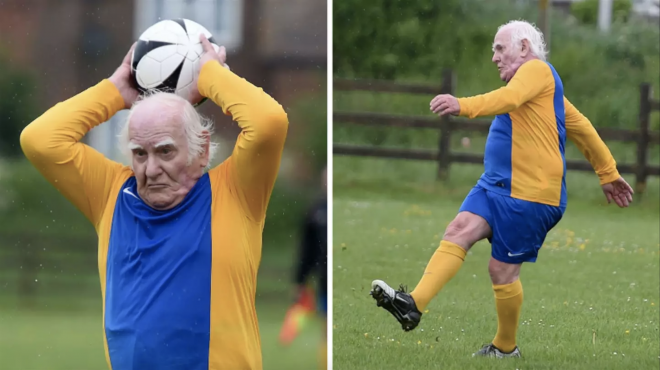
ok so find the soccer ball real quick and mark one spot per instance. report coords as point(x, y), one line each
point(166, 57)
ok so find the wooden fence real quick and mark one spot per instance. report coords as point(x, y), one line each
point(644, 137)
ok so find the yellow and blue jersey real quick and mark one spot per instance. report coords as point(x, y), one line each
point(178, 286)
point(525, 151)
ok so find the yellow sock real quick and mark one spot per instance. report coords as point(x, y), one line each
point(442, 267)
point(323, 355)
point(508, 300)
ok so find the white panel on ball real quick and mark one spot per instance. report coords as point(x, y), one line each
point(167, 55)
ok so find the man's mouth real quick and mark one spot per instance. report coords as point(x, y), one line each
point(156, 186)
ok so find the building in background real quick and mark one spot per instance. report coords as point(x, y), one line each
point(280, 45)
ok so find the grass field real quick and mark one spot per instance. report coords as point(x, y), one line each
point(591, 301)
point(65, 333)
point(57, 340)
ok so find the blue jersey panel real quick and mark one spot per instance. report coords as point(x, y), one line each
point(560, 115)
point(497, 156)
point(158, 282)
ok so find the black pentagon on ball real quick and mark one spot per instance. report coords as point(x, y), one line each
point(141, 49)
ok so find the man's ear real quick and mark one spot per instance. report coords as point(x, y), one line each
point(524, 48)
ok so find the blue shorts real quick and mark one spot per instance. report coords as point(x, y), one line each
point(519, 226)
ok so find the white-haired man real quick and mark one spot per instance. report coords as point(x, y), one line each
point(179, 247)
point(521, 195)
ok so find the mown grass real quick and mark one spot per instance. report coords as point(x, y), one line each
point(591, 300)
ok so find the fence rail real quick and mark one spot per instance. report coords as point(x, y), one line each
point(643, 136)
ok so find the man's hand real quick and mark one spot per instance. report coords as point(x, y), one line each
point(445, 104)
point(123, 81)
point(210, 55)
point(619, 191)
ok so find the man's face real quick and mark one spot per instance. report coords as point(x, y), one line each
point(160, 155)
point(506, 55)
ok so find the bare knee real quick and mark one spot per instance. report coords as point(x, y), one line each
point(467, 229)
point(503, 273)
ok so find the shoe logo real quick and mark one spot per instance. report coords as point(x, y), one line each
point(515, 255)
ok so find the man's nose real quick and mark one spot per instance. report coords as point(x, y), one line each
point(495, 58)
point(153, 167)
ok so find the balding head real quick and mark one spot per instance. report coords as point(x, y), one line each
point(517, 42)
point(169, 146)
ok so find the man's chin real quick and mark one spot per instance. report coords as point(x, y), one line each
point(160, 201)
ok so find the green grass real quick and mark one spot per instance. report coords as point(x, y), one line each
point(68, 340)
point(597, 277)
point(65, 332)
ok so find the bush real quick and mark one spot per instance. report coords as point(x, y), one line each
point(586, 11)
point(399, 40)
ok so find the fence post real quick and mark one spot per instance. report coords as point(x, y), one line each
point(444, 143)
point(643, 140)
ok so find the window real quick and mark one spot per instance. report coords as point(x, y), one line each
point(223, 18)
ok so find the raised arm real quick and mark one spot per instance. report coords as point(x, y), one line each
point(583, 134)
point(52, 144)
point(530, 80)
point(255, 161)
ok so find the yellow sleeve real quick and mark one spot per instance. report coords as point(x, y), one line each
point(52, 144)
point(255, 161)
point(530, 80)
point(581, 132)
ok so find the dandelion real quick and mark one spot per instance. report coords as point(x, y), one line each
point(426, 311)
point(627, 331)
point(366, 335)
point(419, 342)
point(582, 246)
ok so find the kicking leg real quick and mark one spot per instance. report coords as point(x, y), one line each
point(461, 234)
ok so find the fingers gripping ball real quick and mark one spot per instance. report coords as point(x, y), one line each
point(167, 57)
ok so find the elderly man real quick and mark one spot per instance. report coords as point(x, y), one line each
point(521, 195)
point(179, 247)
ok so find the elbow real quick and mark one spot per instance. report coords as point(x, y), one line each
point(274, 123)
point(28, 140)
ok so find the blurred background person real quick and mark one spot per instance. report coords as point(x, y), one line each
point(49, 282)
point(310, 279)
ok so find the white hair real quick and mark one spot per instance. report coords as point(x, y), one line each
point(195, 126)
point(523, 30)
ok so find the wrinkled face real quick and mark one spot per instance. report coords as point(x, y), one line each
point(160, 155)
point(507, 56)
